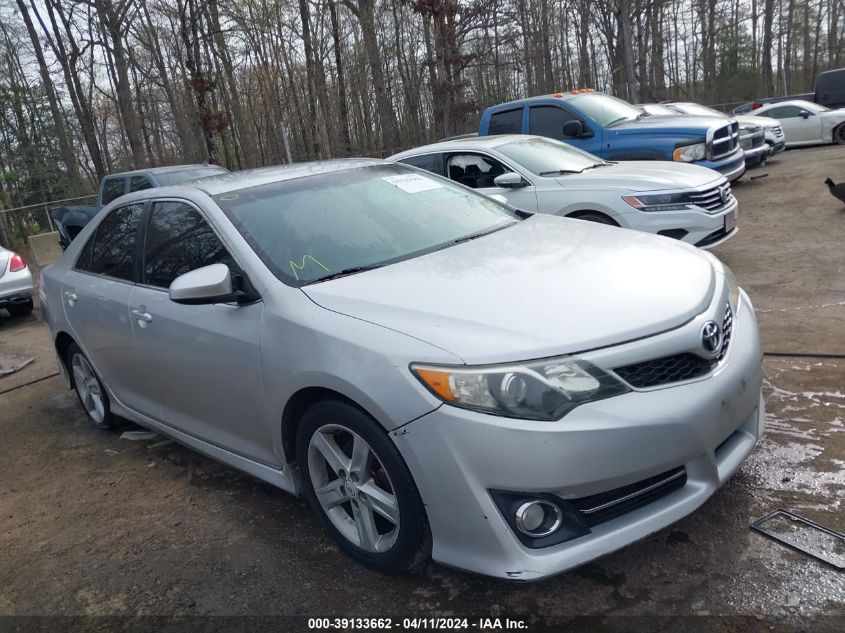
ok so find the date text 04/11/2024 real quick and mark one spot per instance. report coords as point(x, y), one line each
point(413, 624)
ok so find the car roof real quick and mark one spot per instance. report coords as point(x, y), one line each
point(235, 180)
point(164, 170)
point(475, 142)
point(791, 102)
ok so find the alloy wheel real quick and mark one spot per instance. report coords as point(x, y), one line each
point(88, 387)
point(353, 488)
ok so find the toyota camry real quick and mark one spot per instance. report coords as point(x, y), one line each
point(439, 376)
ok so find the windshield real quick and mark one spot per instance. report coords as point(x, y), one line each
point(545, 156)
point(310, 228)
point(698, 110)
point(604, 109)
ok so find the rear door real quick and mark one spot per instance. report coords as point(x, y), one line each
point(95, 296)
point(198, 365)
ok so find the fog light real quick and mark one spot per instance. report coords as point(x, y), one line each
point(538, 518)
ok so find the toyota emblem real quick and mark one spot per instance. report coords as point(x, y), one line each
point(711, 337)
point(723, 194)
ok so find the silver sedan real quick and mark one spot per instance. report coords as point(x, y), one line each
point(16, 285)
point(439, 376)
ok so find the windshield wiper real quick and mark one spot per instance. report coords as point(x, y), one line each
point(560, 172)
point(477, 234)
point(345, 272)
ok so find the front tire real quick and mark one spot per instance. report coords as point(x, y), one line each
point(358, 485)
point(839, 135)
point(89, 389)
point(594, 216)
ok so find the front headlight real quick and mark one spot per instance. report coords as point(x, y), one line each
point(690, 153)
point(538, 390)
point(733, 288)
point(659, 202)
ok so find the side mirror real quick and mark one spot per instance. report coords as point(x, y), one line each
point(509, 180)
point(804, 114)
point(575, 129)
point(209, 284)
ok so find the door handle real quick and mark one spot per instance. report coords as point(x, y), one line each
point(142, 315)
point(71, 298)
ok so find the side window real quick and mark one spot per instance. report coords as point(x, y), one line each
point(178, 241)
point(110, 250)
point(474, 170)
point(139, 183)
point(784, 112)
point(507, 122)
point(429, 162)
point(548, 121)
point(113, 188)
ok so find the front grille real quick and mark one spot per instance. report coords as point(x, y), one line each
point(678, 367)
point(711, 199)
point(605, 506)
point(777, 131)
point(725, 141)
point(727, 331)
point(661, 371)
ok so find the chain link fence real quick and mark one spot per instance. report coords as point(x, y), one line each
point(18, 224)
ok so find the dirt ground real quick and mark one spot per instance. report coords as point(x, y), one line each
point(92, 524)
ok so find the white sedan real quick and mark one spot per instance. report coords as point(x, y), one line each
point(538, 174)
point(806, 123)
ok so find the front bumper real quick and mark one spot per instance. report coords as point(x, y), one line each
point(756, 155)
point(696, 227)
point(731, 167)
point(708, 426)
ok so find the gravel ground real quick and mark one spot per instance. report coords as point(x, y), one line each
point(95, 525)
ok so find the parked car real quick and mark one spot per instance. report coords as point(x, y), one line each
point(16, 285)
point(615, 130)
point(806, 123)
point(69, 220)
point(534, 173)
point(772, 129)
point(510, 394)
point(829, 92)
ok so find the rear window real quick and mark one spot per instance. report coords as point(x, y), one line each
point(113, 188)
point(507, 122)
point(110, 251)
point(429, 162)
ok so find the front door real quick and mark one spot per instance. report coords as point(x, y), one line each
point(200, 363)
point(478, 171)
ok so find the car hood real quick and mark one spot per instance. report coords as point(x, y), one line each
point(764, 121)
point(642, 175)
point(670, 124)
point(543, 287)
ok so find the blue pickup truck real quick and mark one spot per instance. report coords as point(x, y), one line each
point(615, 130)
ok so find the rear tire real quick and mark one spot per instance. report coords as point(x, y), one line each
point(89, 389)
point(593, 216)
point(20, 309)
point(839, 135)
point(358, 485)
